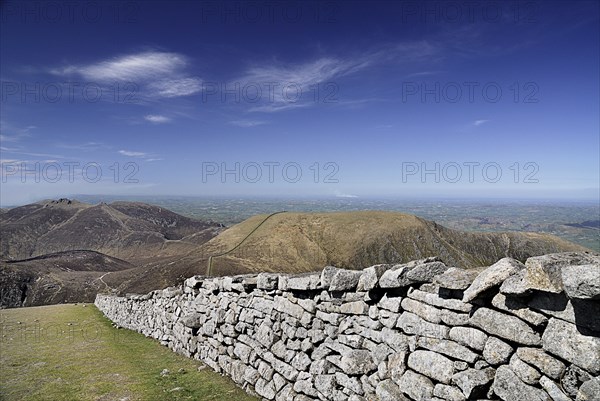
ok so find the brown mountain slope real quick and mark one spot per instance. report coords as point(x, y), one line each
point(72, 276)
point(64, 250)
point(297, 242)
point(135, 232)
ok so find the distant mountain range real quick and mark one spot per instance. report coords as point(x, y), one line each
point(586, 224)
point(66, 251)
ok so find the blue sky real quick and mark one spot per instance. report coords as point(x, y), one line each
point(407, 99)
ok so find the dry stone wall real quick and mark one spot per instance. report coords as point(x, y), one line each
point(414, 331)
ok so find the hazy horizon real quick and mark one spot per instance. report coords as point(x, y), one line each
point(147, 197)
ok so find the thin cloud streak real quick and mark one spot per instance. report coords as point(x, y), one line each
point(132, 153)
point(157, 74)
point(157, 119)
point(247, 123)
point(306, 77)
point(134, 67)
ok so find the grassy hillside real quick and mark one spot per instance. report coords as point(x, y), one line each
point(298, 242)
point(71, 352)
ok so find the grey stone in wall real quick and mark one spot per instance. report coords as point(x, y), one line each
point(509, 387)
point(395, 277)
point(425, 272)
point(370, 277)
point(427, 312)
point(573, 380)
point(344, 280)
point(518, 308)
point(515, 285)
point(436, 300)
point(525, 372)
point(496, 351)
point(432, 365)
point(448, 348)
point(391, 304)
point(553, 390)
point(416, 386)
point(566, 341)
point(582, 281)
point(589, 390)
point(473, 338)
point(548, 365)
point(456, 279)
point(303, 283)
point(544, 273)
point(492, 276)
point(473, 382)
point(356, 362)
point(267, 281)
point(505, 326)
point(446, 392)
point(413, 324)
point(387, 390)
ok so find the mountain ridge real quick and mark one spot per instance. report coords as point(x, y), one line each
point(65, 250)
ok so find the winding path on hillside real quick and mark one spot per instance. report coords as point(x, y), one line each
point(210, 258)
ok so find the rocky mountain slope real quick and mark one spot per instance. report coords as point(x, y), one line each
point(65, 251)
point(70, 276)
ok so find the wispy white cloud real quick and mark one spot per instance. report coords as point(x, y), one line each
point(133, 67)
point(9, 133)
point(32, 154)
point(157, 119)
point(279, 106)
point(292, 86)
point(286, 81)
point(247, 123)
point(477, 123)
point(12, 161)
point(424, 74)
point(131, 153)
point(149, 157)
point(154, 73)
point(175, 87)
point(85, 147)
point(306, 74)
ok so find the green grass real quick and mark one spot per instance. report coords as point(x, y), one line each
point(72, 352)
